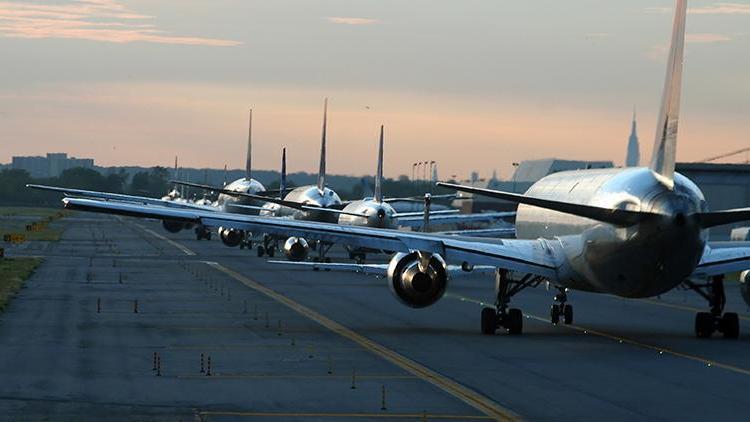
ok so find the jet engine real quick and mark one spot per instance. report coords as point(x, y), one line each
point(174, 226)
point(296, 248)
point(745, 286)
point(414, 286)
point(230, 237)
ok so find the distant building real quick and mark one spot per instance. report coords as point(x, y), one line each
point(633, 156)
point(530, 171)
point(527, 172)
point(50, 166)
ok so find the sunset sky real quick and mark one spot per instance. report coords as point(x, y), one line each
point(473, 84)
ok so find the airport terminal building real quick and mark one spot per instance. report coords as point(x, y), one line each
point(50, 166)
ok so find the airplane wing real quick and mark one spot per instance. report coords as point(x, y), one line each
point(418, 219)
point(536, 257)
point(723, 259)
point(379, 270)
point(499, 232)
point(121, 197)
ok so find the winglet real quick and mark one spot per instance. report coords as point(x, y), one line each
point(248, 159)
point(379, 173)
point(665, 145)
point(322, 171)
point(282, 183)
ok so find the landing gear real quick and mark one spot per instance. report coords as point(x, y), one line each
point(561, 308)
point(502, 317)
point(706, 323)
point(268, 247)
point(201, 232)
point(322, 249)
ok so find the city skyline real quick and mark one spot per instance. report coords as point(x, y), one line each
point(471, 87)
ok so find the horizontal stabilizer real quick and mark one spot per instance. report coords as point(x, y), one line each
point(718, 218)
point(617, 217)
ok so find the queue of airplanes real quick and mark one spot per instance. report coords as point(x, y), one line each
point(633, 232)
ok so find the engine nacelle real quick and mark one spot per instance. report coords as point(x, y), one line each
point(413, 287)
point(173, 226)
point(745, 286)
point(230, 237)
point(296, 249)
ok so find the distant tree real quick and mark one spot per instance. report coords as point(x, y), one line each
point(152, 183)
point(13, 187)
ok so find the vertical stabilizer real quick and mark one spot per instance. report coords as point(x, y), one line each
point(322, 171)
point(665, 145)
point(248, 159)
point(282, 183)
point(379, 172)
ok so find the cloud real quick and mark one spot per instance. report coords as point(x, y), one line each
point(95, 20)
point(706, 38)
point(714, 9)
point(351, 21)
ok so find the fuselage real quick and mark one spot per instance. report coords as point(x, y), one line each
point(643, 260)
point(309, 195)
point(373, 214)
point(242, 185)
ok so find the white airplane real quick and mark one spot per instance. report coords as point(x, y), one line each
point(630, 232)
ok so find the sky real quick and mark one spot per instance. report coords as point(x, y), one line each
point(472, 84)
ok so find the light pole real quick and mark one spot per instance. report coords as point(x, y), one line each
point(432, 171)
point(515, 168)
point(424, 171)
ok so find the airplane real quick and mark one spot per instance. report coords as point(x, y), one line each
point(632, 232)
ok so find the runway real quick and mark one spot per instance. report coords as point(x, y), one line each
point(79, 342)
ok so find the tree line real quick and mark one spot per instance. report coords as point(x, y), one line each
point(154, 183)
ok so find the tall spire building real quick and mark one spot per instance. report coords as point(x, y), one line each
point(633, 157)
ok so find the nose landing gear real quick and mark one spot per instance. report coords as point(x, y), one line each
point(706, 323)
point(500, 316)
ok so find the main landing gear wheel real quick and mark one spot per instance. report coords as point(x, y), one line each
point(554, 314)
point(501, 316)
point(568, 314)
point(706, 323)
point(489, 321)
point(561, 309)
point(512, 321)
point(261, 251)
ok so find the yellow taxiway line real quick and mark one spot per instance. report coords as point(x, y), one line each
point(468, 396)
point(625, 340)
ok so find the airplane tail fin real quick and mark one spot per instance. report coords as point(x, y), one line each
point(665, 145)
point(282, 183)
point(322, 171)
point(248, 159)
point(379, 173)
